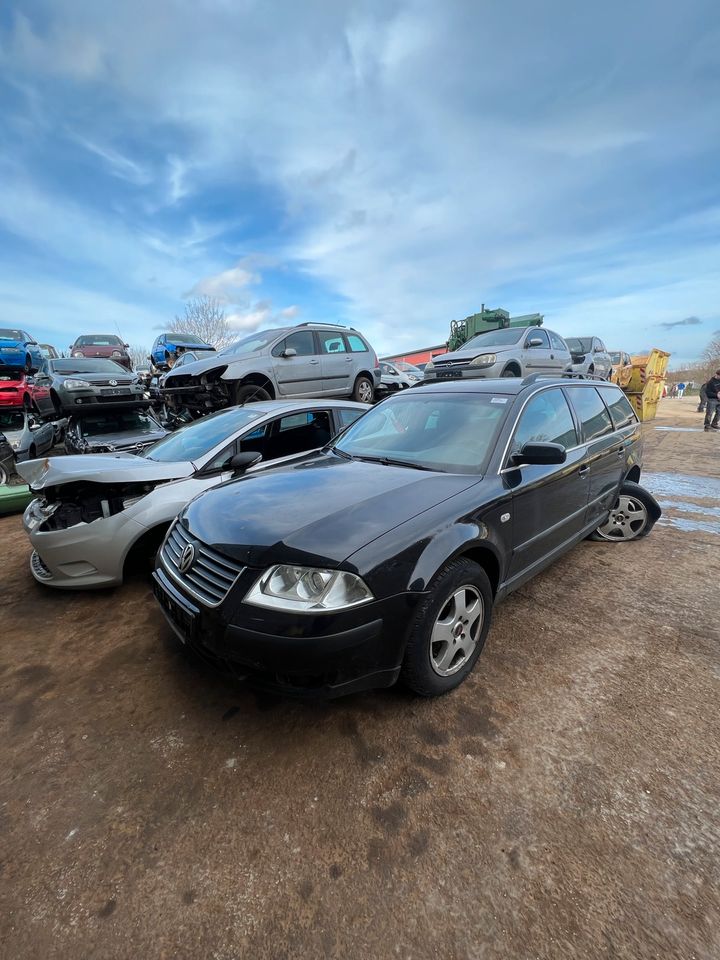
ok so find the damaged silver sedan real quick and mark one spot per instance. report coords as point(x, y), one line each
point(97, 518)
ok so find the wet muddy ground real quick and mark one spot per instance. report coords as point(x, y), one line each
point(562, 804)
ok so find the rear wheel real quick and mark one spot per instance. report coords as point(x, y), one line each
point(250, 393)
point(28, 363)
point(363, 391)
point(632, 517)
point(449, 629)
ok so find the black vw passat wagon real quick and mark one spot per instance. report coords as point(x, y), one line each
point(381, 556)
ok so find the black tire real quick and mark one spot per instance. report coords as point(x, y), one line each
point(418, 670)
point(4, 476)
point(28, 363)
point(32, 453)
point(27, 403)
point(511, 372)
point(363, 390)
point(250, 393)
point(628, 527)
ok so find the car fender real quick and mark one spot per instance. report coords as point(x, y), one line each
point(449, 543)
point(166, 501)
point(239, 369)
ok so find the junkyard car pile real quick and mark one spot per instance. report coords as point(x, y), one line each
point(323, 546)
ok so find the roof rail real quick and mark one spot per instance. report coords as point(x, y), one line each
point(323, 323)
point(565, 375)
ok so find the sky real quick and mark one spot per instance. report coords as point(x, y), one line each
point(388, 164)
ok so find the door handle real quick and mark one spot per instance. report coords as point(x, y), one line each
point(584, 471)
point(620, 453)
point(348, 359)
point(314, 361)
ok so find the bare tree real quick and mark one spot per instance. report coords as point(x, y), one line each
point(139, 356)
point(205, 317)
point(711, 355)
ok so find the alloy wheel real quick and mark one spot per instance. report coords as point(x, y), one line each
point(456, 630)
point(627, 520)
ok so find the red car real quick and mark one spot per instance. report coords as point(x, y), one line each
point(17, 389)
point(105, 345)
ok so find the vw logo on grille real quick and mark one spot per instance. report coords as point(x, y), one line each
point(186, 558)
point(113, 383)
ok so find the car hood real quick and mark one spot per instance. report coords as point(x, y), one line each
point(212, 362)
point(318, 512)
point(121, 441)
point(100, 468)
point(476, 351)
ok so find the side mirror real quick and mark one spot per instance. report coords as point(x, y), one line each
point(542, 454)
point(535, 342)
point(29, 380)
point(34, 425)
point(127, 346)
point(289, 352)
point(243, 461)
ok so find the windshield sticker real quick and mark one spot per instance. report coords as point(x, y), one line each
point(499, 400)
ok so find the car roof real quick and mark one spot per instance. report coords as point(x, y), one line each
point(507, 385)
point(278, 406)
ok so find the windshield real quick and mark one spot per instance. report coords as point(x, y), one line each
point(185, 338)
point(452, 433)
point(409, 368)
point(200, 437)
point(500, 338)
point(616, 357)
point(65, 367)
point(99, 340)
point(116, 422)
point(7, 334)
point(257, 341)
point(579, 344)
point(12, 419)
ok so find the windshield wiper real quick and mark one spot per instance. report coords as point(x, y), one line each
point(341, 453)
point(390, 462)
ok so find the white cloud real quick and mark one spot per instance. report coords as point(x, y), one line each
point(225, 286)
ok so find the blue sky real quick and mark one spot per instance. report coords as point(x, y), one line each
point(386, 164)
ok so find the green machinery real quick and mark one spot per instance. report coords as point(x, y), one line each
point(462, 330)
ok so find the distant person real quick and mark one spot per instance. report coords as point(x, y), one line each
point(702, 398)
point(712, 411)
point(680, 389)
point(673, 391)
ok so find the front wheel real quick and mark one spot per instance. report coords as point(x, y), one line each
point(510, 373)
point(363, 391)
point(249, 393)
point(449, 629)
point(631, 518)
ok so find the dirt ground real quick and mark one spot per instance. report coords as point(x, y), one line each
point(562, 804)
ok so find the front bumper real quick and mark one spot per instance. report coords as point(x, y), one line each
point(323, 655)
point(85, 556)
point(77, 401)
point(14, 399)
point(466, 372)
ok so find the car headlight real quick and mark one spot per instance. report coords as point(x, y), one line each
point(429, 367)
point(116, 353)
point(484, 360)
point(78, 353)
point(15, 444)
point(76, 384)
point(307, 589)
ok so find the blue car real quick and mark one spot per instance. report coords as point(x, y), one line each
point(19, 350)
point(169, 346)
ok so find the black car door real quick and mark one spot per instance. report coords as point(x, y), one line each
point(605, 455)
point(549, 502)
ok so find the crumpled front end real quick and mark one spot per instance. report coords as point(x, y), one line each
point(81, 532)
point(199, 393)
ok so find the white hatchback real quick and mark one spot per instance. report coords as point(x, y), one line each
point(96, 516)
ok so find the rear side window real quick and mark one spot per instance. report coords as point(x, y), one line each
point(331, 342)
point(591, 411)
point(356, 343)
point(545, 419)
point(557, 342)
point(619, 406)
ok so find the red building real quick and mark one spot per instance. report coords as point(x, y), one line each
point(419, 356)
